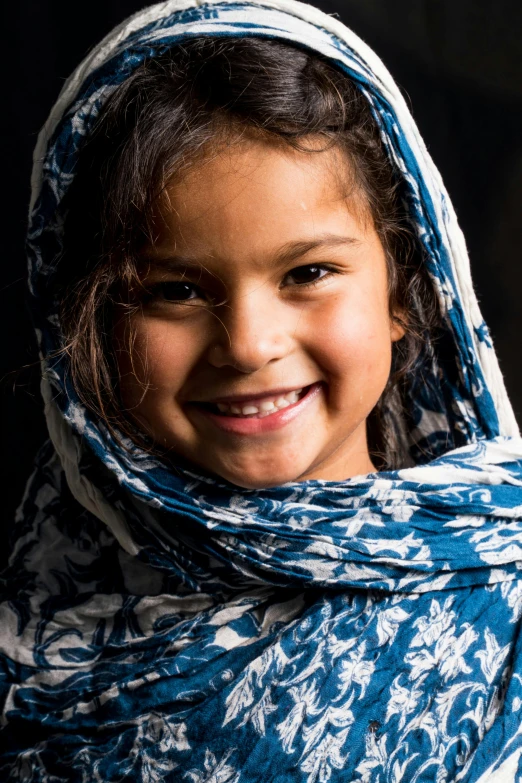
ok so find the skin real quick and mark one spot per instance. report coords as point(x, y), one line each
point(239, 222)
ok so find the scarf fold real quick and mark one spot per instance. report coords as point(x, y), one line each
point(173, 627)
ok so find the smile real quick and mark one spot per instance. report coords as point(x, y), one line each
point(260, 415)
point(265, 406)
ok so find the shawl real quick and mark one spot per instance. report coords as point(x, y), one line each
point(159, 626)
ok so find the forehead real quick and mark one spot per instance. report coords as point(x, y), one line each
point(264, 191)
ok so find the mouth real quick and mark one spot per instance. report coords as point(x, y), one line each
point(258, 408)
point(259, 415)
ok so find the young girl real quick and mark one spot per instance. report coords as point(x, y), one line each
point(276, 535)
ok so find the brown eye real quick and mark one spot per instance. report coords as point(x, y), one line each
point(175, 291)
point(306, 275)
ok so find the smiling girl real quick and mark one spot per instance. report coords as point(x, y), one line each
point(276, 533)
point(273, 383)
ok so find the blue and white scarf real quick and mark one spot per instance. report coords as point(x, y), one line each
point(158, 627)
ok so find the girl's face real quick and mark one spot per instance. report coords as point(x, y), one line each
point(264, 339)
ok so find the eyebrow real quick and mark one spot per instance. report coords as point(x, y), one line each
point(294, 250)
point(289, 252)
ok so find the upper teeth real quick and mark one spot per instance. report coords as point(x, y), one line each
point(263, 407)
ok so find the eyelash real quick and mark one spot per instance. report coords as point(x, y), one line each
point(154, 292)
point(312, 283)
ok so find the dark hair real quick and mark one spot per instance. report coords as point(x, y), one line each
point(157, 122)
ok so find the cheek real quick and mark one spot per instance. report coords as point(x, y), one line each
point(160, 356)
point(354, 343)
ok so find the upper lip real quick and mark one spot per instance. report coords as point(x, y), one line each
point(233, 398)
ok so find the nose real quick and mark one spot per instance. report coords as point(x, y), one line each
point(250, 332)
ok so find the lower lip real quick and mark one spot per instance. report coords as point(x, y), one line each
point(254, 426)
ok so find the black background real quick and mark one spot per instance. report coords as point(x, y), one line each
point(458, 63)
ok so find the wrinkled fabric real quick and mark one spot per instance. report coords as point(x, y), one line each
point(161, 625)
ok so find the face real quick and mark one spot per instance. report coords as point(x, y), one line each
point(263, 339)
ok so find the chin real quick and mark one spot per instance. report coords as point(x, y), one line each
point(256, 479)
point(260, 483)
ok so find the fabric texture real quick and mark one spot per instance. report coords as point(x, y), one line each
point(171, 627)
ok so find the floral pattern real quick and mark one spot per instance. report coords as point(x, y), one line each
point(160, 627)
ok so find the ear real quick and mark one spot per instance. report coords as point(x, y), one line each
point(398, 326)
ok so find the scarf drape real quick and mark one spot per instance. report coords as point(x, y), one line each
point(172, 627)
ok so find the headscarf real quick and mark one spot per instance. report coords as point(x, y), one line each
point(160, 626)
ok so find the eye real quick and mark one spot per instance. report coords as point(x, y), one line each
point(308, 275)
point(174, 291)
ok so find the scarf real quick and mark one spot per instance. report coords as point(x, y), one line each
point(159, 626)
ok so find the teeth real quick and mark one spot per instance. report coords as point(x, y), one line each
point(263, 408)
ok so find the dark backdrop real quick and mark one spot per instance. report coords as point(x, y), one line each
point(457, 61)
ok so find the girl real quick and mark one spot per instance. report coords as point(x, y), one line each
point(276, 533)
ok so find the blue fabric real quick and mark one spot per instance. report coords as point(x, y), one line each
point(159, 626)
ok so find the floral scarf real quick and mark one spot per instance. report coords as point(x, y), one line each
point(159, 627)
